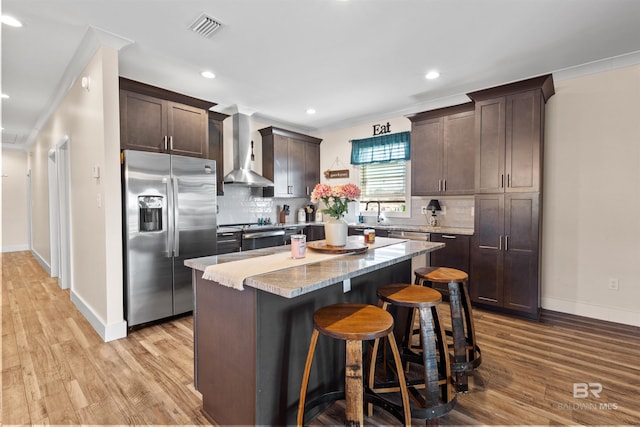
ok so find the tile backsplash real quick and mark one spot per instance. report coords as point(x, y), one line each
point(241, 205)
point(246, 205)
point(456, 211)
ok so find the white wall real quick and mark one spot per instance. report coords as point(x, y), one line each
point(91, 120)
point(15, 227)
point(335, 152)
point(591, 227)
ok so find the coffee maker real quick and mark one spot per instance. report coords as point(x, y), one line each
point(310, 212)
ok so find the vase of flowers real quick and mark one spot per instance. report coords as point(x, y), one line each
point(336, 201)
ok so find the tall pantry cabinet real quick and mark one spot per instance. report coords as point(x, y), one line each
point(505, 254)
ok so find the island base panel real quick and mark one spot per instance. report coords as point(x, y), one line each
point(252, 347)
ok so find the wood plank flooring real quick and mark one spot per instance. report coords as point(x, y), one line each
point(57, 370)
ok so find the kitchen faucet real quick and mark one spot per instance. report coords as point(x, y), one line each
point(366, 208)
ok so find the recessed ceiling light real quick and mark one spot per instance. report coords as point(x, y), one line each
point(208, 75)
point(10, 20)
point(311, 111)
point(5, 96)
point(432, 75)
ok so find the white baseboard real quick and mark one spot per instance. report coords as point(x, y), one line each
point(18, 248)
point(41, 261)
point(106, 332)
point(609, 314)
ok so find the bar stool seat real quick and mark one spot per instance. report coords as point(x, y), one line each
point(354, 323)
point(466, 352)
point(438, 396)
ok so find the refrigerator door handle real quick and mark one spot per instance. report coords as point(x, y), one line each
point(176, 209)
point(169, 226)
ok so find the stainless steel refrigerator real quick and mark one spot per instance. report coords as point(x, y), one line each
point(169, 205)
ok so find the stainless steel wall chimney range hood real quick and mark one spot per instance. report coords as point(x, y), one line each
point(242, 173)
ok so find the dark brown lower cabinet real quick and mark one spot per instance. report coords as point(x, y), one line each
point(359, 231)
point(505, 255)
point(455, 254)
point(314, 232)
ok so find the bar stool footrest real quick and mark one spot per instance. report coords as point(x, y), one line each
point(432, 412)
point(370, 397)
point(466, 366)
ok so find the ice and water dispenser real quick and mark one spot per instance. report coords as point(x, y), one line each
point(150, 215)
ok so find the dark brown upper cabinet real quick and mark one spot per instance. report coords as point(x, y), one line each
point(509, 131)
point(442, 151)
point(216, 147)
point(291, 160)
point(154, 119)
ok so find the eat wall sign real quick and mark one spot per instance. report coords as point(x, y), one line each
point(381, 129)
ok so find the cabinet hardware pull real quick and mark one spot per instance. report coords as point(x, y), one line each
point(171, 143)
point(447, 236)
point(307, 190)
point(506, 243)
point(444, 185)
point(487, 299)
point(164, 139)
point(439, 185)
point(501, 180)
point(509, 180)
point(500, 247)
point(486, 247)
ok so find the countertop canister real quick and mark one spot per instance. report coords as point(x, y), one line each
point(298, 246)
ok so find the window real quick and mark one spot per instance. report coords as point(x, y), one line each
point(383, 170)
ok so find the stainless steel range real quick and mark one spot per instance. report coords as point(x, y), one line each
point(258, 236)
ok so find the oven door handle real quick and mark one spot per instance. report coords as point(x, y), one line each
point(410, 235)
point(261, 234)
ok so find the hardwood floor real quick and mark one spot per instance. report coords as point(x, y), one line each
point(57, 370)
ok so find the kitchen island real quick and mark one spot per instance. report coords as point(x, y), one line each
point(250, 345)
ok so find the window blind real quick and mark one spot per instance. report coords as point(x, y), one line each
point(383, 181)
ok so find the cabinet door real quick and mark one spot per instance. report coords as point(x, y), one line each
point(427, 148)
point(459, 153)
point(314, 232)
point(216, 152)
point(187, 130)
point(524, 134)
point(487, 254)
point(280, 166)
point(297, 179)
point(312, 167)
point(142, 122)
point(455, 254)
point(521, 253)
point(490, 148)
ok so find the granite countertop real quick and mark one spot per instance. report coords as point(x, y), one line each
point(410, 227)
point(276, 226)
point(295, 281)
point(422, 228)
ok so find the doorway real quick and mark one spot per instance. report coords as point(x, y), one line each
point(60, 212)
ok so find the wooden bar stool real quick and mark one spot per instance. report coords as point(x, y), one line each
point(438, 396)
point(354, 323)
point(466, 352)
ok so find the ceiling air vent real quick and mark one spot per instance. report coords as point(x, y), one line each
point(204, 25)
point(9, 138)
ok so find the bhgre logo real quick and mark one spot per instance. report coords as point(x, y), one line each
point(584, 390)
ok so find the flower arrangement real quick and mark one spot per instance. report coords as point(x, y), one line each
point(336, 198)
